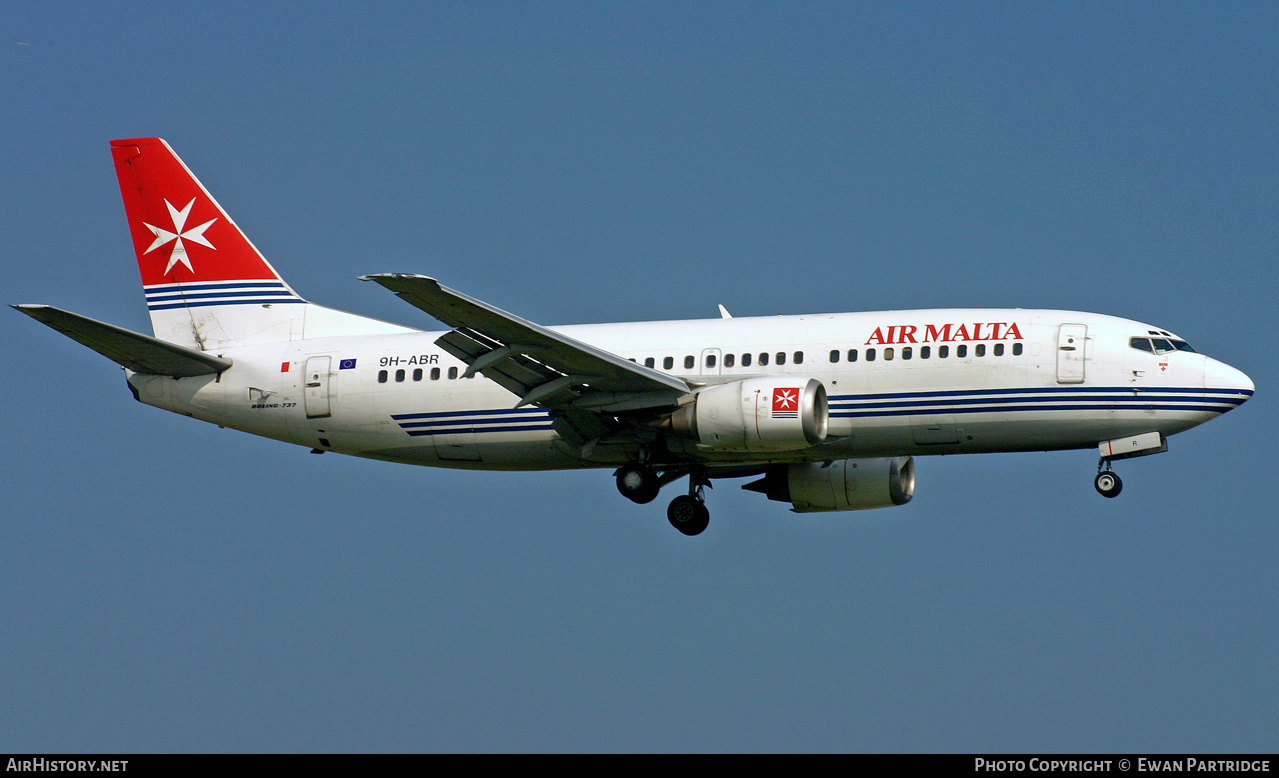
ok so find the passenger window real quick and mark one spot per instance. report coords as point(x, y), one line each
point(728, 360)
point(799, 357)
point(870, 355)
point(689, 362)
point(906, 352)
point(961, 351)
point(1016, 349)
point(781, 357)
point(943, 352)
point(417, 374)
point(435, 374)
point(834, 356)
point(710, 360)
point(852, 355)
point(999, 349)
point(981, 349)
point(746, 360)
point(888, 354)
point(399, 376)
point(668, 363)
point(648, 362)
point(452, 372)
point(925, 352)
point(381, 376)
point(763, 359)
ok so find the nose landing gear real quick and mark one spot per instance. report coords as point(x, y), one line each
point(1107, 481)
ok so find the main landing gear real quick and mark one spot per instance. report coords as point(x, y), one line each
point(1107, 481)
point(637, 482)
point(687, 513)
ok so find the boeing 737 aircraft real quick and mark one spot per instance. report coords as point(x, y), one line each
point(825, 411)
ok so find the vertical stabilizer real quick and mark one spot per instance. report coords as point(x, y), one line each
point(206, 285)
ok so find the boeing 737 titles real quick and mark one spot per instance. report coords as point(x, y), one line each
point(825, 412)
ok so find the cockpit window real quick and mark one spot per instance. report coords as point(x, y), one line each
point(1159, 345)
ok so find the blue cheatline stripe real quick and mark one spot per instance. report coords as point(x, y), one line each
point(995, 403)
point(1127, 390)
point(211, 295)
point(240, 301)
point(455, 430)
point(479, 421)
point(483, 422)
point(1043, 399)
point(195, 295)
point(450, 414)
point(171, 288)
point(1041, 408)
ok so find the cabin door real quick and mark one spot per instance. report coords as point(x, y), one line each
point(1071, 342)
point(317, 387)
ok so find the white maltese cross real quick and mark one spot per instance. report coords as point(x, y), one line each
point(195, 235)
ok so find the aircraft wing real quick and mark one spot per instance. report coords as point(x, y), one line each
point(538, 365)
point(139, 353)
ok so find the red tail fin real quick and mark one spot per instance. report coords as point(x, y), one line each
point(190, 253)
point(207, 286)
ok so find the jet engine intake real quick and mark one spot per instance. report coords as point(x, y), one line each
point(756, 414)
point(841, 485)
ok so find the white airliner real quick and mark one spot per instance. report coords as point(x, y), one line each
point(826, 411)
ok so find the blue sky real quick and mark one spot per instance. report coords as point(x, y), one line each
point(169, 586)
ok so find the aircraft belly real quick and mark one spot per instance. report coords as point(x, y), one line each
point(1006, 432)
point(538, 453)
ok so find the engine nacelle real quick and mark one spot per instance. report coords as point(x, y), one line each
point(756, 414)
point(842, 485)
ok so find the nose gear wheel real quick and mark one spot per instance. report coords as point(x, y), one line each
point(1107, 483)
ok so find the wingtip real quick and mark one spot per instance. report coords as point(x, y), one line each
point(379, 276)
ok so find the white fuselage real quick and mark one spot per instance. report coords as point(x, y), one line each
point(938, 382)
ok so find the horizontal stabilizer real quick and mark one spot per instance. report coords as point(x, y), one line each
point(139, 353)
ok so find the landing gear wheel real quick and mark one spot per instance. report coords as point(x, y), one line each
point(1108, 484)
point(688, 514)
point(637, 483)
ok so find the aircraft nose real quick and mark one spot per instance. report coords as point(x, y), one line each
point(1220, 376)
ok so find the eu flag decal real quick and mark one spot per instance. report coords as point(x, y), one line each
point(346, 364)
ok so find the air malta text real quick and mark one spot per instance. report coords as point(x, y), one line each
point(932, 333)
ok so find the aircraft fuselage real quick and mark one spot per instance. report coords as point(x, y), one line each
point(924, 382)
